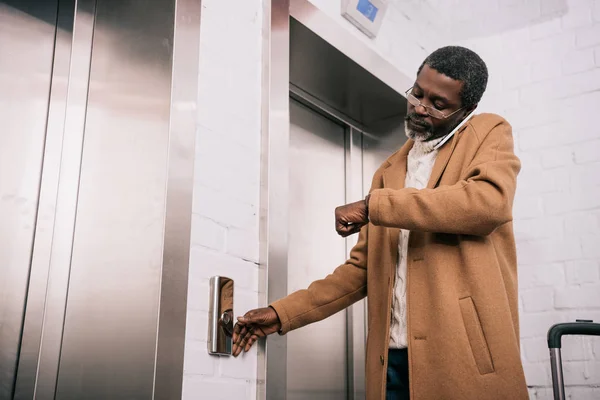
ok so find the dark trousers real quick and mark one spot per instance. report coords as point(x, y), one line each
point(397, 375)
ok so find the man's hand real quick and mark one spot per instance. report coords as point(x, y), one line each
point(253, 325)
point(349, 219)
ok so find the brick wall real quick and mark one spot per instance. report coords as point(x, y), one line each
point(227, 172)
point(545, 79)
point(226, 192)
point(544, 61)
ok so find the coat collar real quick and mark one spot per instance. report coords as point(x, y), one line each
point(441, 161)
point(395, 174)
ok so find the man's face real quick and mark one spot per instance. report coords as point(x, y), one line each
point(439, 91)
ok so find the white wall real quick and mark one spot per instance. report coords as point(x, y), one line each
point(226, 195)
point(546, 82)
point(544, 58)
point(544, 62)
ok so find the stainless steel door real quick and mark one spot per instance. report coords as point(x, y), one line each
point(26, 57)
point(97, 127)
point(331, 163)
point(317, 361)
point(116, 259)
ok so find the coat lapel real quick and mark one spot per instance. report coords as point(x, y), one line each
point(442, 159)
point(394, 177)
point(395, 174)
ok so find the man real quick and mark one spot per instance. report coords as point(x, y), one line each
point(435, 255)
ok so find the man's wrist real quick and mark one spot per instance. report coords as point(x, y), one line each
point(278, 319)
point(367, 206)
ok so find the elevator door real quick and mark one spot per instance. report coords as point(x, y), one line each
point(96, 157)
point(330, 164)
point(317, 361)
point(26, 54)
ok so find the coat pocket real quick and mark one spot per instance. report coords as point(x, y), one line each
point(479, 346)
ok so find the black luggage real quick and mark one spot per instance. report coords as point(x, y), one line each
point(555, 334)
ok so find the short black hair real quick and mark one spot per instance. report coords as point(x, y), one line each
point(461, 64)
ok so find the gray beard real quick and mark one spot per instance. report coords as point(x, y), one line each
point(417, 136)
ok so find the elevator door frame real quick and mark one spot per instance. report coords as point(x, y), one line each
point(273, 228)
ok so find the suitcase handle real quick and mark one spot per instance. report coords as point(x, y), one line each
point(557, 331)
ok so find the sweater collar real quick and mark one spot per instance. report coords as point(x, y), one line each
point(424, 147)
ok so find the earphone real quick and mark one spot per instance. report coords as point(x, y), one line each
point(448, 136)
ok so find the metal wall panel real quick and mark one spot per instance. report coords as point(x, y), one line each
point(272, 383)
point(178, 212)
point(26, 58)
point(32, 367)
point(66, 201)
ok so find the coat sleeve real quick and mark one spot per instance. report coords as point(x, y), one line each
point(476, 205)
point(325, 297)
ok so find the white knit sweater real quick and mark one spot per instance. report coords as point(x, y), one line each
point(421, 159)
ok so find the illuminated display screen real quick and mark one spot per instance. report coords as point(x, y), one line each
point(366, 8)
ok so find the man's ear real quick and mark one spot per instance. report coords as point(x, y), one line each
point(470, 109)
point(467, 112)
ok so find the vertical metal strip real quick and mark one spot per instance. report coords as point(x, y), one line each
point(32, 325)
point(356, 321)
point(365, 190)
point(40, 263)
point(350, 159)
point(273, 225)
point(173, 292)
point(263, 214)
point(66, 199)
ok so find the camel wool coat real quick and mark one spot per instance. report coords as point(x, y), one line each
point(462, 307)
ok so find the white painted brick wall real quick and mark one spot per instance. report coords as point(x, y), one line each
point(553, 62)
point(226, 192)
point(544, 61)
point(227, 172)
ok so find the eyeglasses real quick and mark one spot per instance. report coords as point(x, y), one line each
point(431, 111)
